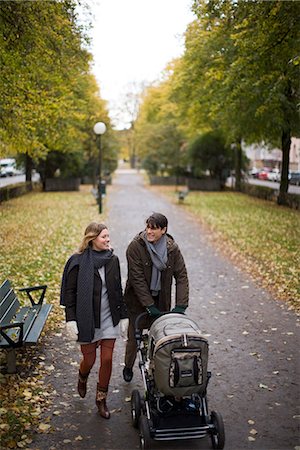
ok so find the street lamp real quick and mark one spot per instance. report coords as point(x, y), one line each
point(99, 129)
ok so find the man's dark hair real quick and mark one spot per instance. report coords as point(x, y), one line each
point(157, 220)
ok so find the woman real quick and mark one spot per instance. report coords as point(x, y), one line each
point(91, 292)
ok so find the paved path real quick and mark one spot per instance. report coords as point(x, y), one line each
point(254, 346)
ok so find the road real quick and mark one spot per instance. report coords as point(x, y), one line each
point(254, 346)
point(292, 189)
point(272, 184)
point(6, 181)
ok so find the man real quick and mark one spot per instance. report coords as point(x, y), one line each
point(153, 260)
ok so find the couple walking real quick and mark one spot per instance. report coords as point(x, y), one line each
point(96, 311)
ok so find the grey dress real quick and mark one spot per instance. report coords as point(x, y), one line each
point(107, 329)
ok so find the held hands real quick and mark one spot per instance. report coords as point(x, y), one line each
point(153, 311)
point(179, 309)
point(123, 325)
point(72, 330)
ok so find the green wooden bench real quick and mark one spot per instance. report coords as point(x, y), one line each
point(20, 325)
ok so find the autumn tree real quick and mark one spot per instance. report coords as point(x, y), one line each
point(243, 58)
point(160, 140)
point(127, 113)
point(47, 94)
point(208, 152)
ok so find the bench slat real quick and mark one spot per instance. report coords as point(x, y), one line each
point(13, 333)
point(29, 321)
point(38, 325)
point(20, 325)
point(34, 321)
point(8, 307)
point(5, 288)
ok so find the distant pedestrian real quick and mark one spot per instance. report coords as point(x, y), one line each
point(91, 292)
point(154, 261)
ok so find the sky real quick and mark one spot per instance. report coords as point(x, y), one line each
point(132, 42)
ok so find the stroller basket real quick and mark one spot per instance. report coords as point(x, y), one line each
point(178, 356)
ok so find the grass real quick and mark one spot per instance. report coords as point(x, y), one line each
point(39, 231)
point(261, 236)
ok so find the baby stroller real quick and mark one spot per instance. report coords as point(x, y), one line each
point(173, 359)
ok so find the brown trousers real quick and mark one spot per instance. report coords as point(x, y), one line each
point(89, 353)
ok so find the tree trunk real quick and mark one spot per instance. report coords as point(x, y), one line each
point(238, 165)
point(28, 168)
point(284, 182)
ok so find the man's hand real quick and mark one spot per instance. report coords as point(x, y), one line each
point(179, 309)
point(153, 311)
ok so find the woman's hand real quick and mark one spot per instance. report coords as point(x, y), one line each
point(123, 324)
point(72, 330)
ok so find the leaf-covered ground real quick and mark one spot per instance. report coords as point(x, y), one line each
point(262, 237)
point(39, 231)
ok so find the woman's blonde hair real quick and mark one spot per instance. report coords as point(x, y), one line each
point(91, 232)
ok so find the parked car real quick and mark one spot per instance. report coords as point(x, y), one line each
point(254, 172)
point(8, 167)
point(263, 174)
point(273, 175)
point(294, 178)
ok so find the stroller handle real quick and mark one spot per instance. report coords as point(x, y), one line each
point(137, 329)
point(138, 319)
point(145, 314)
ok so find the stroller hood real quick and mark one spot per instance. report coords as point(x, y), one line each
point(178, 355)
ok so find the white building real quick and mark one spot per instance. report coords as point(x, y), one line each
point(261, 155)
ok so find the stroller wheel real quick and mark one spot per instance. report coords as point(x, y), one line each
point(136, 406)
point(145, 437)
point(218, 432)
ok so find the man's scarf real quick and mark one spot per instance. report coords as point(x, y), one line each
point(87, 262)
point(159, 256)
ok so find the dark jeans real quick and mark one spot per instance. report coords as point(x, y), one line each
point(131, 345)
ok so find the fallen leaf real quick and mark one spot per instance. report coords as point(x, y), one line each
point(79, 438)
point(44, 427)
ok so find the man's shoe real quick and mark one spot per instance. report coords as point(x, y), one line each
point(127, 374)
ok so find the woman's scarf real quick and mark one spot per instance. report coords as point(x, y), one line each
point(87, 261)
point(159, 256)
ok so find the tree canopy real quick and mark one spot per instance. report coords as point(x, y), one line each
point(240, 73)
point(49, 100)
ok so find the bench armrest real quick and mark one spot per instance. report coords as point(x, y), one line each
point(7, 338)
point(28, 291)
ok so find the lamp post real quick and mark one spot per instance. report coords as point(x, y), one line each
point(99, 129)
